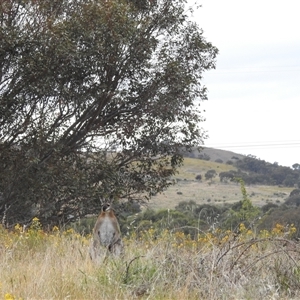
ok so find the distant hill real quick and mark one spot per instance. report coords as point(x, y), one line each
point(214, 191)
point(265, 182)
point(214, 154)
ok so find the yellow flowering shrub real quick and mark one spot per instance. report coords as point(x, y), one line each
point(35, 236)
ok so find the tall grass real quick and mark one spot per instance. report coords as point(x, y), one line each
point(157, 265)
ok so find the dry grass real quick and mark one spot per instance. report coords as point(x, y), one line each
point(159, 265)
point(165, 265)
point(215, 192)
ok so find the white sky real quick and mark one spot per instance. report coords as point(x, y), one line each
point(254, 94)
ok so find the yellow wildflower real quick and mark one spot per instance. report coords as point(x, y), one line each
point(18, 228)
point(8, 296)
point(55, 229)
point(242, 228)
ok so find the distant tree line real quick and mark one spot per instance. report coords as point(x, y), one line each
point(256, 171)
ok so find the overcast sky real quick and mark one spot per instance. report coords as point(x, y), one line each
point(254, 93)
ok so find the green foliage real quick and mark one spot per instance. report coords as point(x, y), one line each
point(210, 174)
point(206, 216)
point(262, 172)
point(219, 160)
point(227, 176)
point(160, 220)
point(284, 215)
point(83, 226)
point(187, 217)
point(97, 98)
point(294, 198)
point(198, 177)
point(245, 212)
point(295, 192)
point(204, 156)
point(185, 206)
point(268, 207)
point(296, 166)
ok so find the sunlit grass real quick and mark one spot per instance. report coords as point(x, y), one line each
point(191, 167)
point(159, 264)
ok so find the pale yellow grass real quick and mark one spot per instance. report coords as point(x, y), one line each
point(192, 167)
point(213, 192)
point(217, 193)
point(162, 267)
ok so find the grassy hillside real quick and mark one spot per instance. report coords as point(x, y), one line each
point(213, 192)
point(214, 154)
point(221, 154)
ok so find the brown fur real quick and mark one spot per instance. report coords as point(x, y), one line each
point(106, 235)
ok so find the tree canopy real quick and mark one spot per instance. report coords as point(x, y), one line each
point(97, 99)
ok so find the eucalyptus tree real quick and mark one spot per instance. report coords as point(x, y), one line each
point(97, 99)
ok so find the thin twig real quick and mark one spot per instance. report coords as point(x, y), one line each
point(128, 265)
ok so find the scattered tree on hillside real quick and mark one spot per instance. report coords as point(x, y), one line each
point(204, 156)
point(210, 174)
point(219, 160)
point(296, 166)
point(227, 176)
point(198, 177)
point(79, 79)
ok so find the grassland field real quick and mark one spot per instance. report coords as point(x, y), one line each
point(55, 265)
point(219, 264)
point(213, 192)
